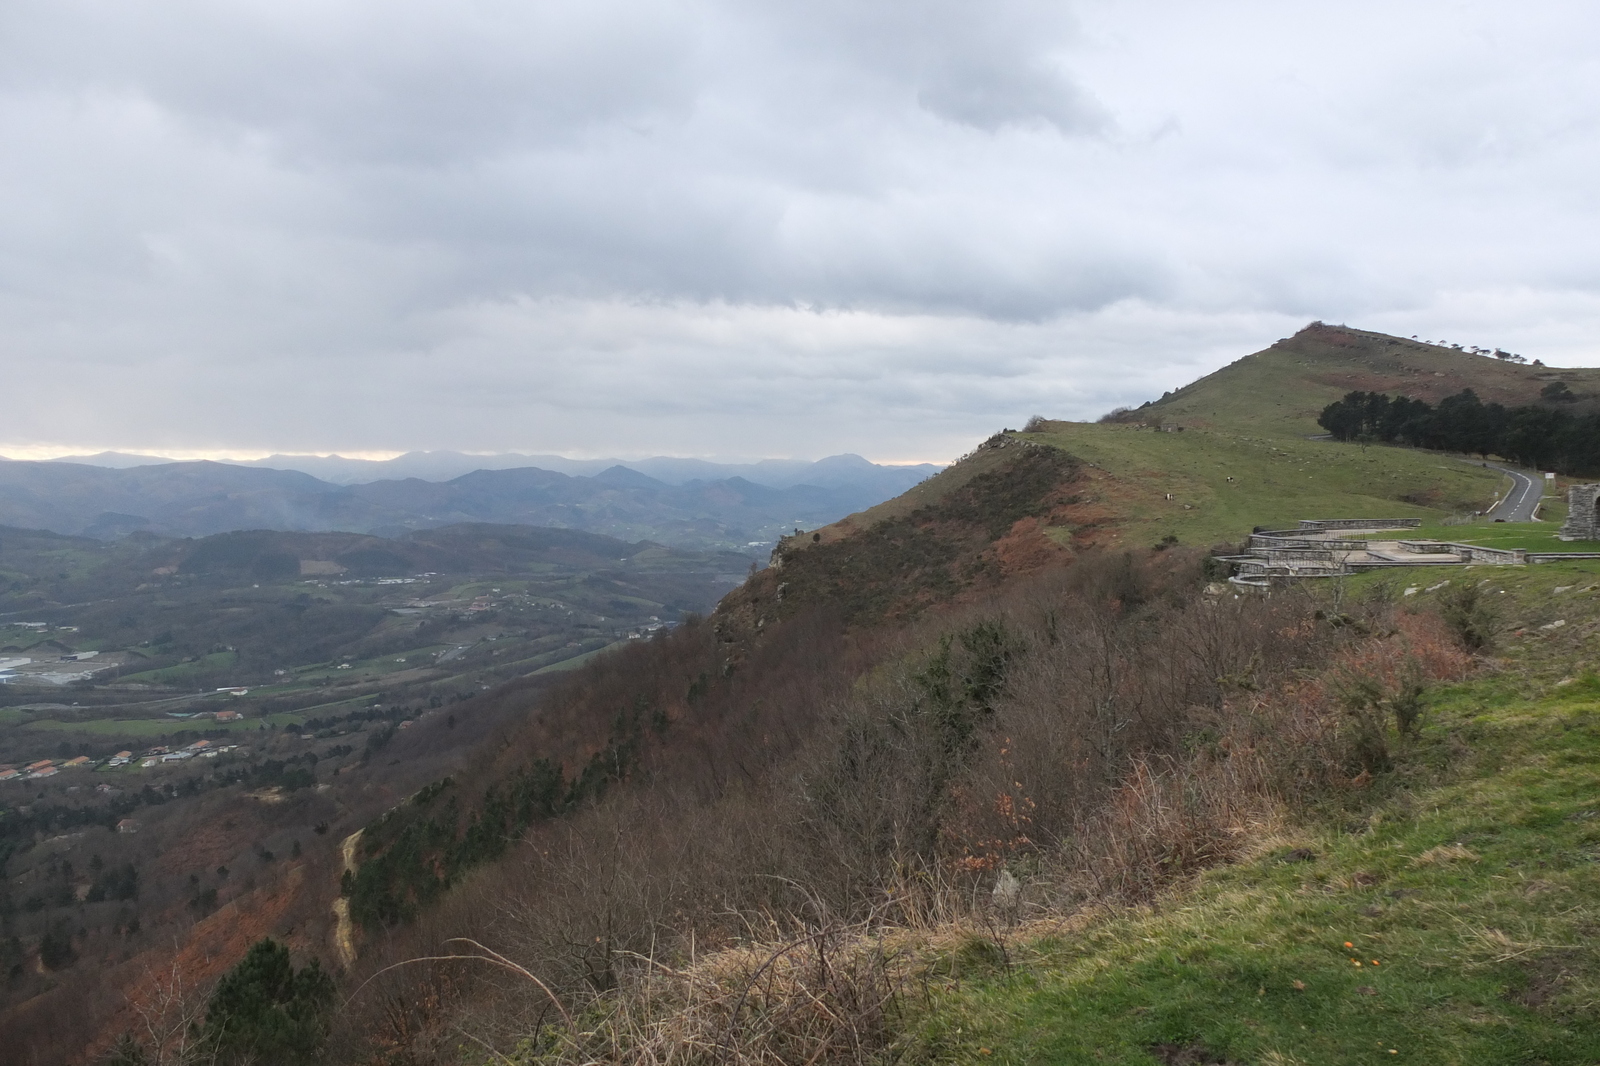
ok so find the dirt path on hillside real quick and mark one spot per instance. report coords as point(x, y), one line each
point(344, 933)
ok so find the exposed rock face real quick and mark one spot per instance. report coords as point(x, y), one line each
point(1583, 513)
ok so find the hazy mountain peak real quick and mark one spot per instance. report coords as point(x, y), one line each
point(440, 466)
point(621, 475)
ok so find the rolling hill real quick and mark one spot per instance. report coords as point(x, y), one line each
point(1279, 391)
point(991, 771)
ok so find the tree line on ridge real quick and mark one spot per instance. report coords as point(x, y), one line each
point(1543, 437)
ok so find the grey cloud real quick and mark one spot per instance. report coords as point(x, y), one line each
point(989, 96)
point(983, 65)
point(844, 225)
point(404, 82)
point(605, 149)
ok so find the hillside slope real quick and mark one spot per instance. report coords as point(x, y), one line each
point(1444, 912)
point(1323, 869)
point(1386, 851)
point(1209, 484)
point(718, 844)
point(1279, 391)
point(1027, 504)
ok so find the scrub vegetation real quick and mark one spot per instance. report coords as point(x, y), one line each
point(1442, 911)
point(1327, 821)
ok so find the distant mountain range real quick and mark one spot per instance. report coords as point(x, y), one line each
point(832, 472)
point(203, 498)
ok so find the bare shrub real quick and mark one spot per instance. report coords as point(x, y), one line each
point(1126, 683)
point(1166, 820)
point(413, 1014)
point(1382, 681)
point(829, 994)
point(1471, 616)
point(168, 1030)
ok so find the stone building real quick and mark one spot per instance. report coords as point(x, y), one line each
point(1583, 513)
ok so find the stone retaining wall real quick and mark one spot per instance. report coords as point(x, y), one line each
point(1359, 523)
point(1583, 513)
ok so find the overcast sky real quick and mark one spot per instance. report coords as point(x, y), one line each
point(756, 228)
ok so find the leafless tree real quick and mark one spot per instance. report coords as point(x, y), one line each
point(170, 1013)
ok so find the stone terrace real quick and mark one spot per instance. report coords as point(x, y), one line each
point(1339, 546)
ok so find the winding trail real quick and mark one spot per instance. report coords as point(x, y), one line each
point(344, 932)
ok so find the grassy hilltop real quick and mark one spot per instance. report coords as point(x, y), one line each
point(1280, 390)
point(1224, 482)
point(1240, 450)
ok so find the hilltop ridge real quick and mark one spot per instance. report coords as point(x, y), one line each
point(1280, 390)
point(1234, 449)
point(1201, 466)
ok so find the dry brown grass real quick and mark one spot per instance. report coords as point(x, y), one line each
point(1445, 853)
point(828, 995)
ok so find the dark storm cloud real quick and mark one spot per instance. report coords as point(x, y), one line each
point(759, 227)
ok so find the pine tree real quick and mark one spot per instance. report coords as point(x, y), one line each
point(264, 1010)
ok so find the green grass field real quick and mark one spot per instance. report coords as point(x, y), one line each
point(185, 672)
point(1539, 537)
point(1450, 916)
point(1275, 481)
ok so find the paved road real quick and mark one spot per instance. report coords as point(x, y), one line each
point(1520, 502)
point(1526, 490)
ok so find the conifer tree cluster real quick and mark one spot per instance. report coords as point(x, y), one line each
point(1538, 436)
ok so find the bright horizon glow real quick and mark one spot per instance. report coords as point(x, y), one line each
point(48, 452)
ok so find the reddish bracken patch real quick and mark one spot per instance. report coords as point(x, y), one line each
point(215, 944)
point(1026, 548)
point(205, 847)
